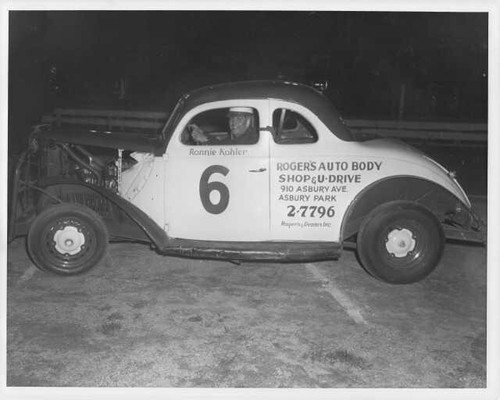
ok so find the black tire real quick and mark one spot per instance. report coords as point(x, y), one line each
point(67, 239)
point(400, 242)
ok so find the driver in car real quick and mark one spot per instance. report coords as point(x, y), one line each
point(241, 129)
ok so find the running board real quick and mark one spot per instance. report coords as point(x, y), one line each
point(254, 251)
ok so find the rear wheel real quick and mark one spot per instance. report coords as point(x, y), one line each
point(67, 239)
point(400, 242)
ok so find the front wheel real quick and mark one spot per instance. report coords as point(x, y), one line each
point(400, 242)
point(67, 239)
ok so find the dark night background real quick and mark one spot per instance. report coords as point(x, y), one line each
point(145, 60)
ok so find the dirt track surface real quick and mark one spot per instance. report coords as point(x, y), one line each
point(144, 320)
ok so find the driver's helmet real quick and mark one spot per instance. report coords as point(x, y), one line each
point(240, 110)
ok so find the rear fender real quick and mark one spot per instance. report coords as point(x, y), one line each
point(449, 210)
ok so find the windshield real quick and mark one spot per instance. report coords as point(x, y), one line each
point(172, 120)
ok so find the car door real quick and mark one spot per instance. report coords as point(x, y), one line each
point(217, 190)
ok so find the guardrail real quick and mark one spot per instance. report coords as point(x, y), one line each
point(439, 132)
point(423, 131)
point(109, 119)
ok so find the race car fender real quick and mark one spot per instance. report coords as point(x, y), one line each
point(150, 228)
point(430, 195)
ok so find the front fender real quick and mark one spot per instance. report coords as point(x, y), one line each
point(453, 213)
point(150, 228)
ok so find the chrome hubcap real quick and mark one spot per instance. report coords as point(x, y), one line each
point(69, 240)
point(400, 242)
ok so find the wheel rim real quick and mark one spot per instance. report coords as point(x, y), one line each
point(69, 240)
point(403, 244)
point(69, 243)
point(400, 242)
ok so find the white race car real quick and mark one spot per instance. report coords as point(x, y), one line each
point(259, 170)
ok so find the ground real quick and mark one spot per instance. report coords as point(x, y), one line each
point(142, 319)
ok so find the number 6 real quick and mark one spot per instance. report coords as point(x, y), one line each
point(207, 187)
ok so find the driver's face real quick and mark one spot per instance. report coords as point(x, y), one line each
point(238, 123)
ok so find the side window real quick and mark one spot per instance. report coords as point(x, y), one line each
point(291, 127)
point(223, 126)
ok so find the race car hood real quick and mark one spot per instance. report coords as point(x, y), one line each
point(397, 150)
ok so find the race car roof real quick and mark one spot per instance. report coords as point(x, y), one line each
point(308, 97)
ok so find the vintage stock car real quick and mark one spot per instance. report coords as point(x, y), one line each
point(299, 189)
